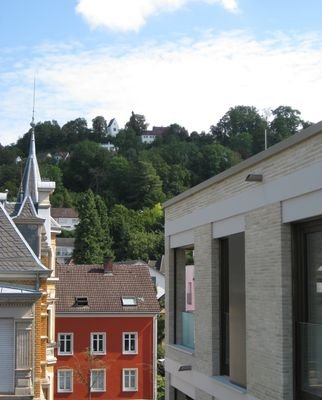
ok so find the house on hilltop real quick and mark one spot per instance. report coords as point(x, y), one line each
point(113, 127)
point(106, 332)
point(149, 136)
point(255, 231)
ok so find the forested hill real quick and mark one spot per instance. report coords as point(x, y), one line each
point(135, 177)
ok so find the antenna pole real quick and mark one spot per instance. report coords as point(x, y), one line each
point(33, 105)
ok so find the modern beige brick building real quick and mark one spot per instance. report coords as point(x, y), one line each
point(255, 235)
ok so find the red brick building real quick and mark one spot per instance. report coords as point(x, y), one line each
point(105, 332)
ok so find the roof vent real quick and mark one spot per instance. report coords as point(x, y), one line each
point(81, 301)
point(129, 301)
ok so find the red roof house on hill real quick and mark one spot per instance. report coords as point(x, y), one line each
point(106, 332)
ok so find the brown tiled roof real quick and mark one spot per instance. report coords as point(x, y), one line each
point(63, 213)
point(65, 242)
point(15, 254)
point(104, 291)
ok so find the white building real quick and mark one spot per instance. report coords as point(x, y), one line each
point(113, 127)
point(67, 218)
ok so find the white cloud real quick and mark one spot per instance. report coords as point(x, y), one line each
point(192, 83)
point(131, 15)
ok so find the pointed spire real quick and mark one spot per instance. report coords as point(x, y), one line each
point(31, 176)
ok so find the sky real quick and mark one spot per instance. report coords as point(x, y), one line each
point(174, 61)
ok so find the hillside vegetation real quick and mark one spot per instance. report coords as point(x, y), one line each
point(118, 193)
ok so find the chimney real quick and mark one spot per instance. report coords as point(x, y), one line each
point(3, 196)
point(108, 266)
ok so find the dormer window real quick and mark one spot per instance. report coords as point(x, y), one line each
point(81, 301)
point(129, 301)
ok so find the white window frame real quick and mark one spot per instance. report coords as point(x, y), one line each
point(127, 338)
point(126, 373)
point(93, 334)
point(129, 301)
point(64, 390)
point(102, 371)
point(66, 353)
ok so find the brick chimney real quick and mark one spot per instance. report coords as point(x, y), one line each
point(108, 265)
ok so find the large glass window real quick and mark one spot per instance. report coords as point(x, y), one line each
point(184, 269)
point(233, 316)
point(308, 310)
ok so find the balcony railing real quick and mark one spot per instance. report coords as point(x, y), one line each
point(311, 358)
point(188, 330)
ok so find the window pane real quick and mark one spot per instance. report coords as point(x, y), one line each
point(68, 344)
point(97, 380)
point(314, 277)
point(127, 380)
point(311, 356)
point(61, 380)
point(68, 380)
point(132, 379)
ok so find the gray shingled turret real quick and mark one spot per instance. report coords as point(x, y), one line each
point(31, 176)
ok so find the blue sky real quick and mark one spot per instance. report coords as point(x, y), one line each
point(175, 61)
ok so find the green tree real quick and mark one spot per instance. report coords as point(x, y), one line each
point(137, 123)
point(128, 143)
point(75, 131)
point(286, 122)
point(161, 387)
point(99, 129)
point(89, 234)
point(145, 186)
point(137, 234)
point(86, 167)
point(173, 131)
point(107, 242)
point(241, 129)
point(122, 221)
point(144, 245)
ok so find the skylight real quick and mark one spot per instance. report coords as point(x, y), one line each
point(129, 301)
point(81, 301)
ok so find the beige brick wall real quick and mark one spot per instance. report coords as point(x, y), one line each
point(268, 304)
point(207, 301)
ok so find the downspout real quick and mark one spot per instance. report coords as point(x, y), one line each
point(33, 349)
point(37, 281)
point(155, 356)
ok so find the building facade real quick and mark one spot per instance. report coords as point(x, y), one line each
point(27, 287)
point(64, 250)
point(106, 332)
point(255, 232)
point(67, 218)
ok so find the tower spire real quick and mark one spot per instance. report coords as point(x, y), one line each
point(31, 176)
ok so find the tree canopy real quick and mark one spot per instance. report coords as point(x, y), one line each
point(118, 193)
